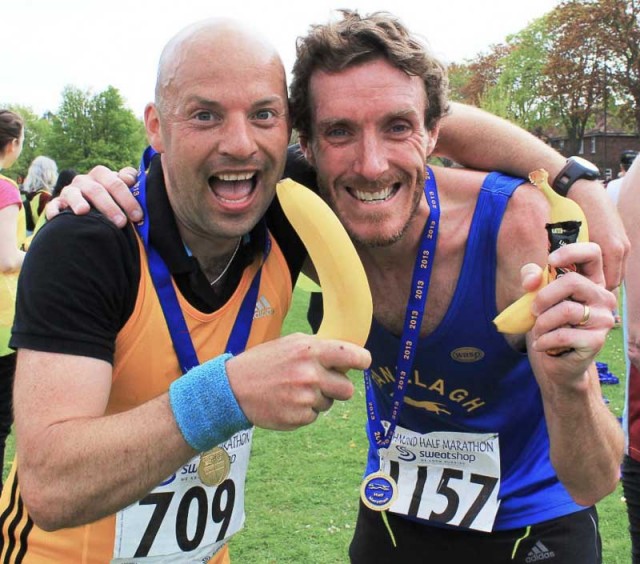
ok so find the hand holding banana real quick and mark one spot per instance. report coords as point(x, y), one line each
point(517, 318)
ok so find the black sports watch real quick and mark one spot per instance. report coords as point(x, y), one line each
point(575, 169)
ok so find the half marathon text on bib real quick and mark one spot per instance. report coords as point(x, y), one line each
point(445, 477)
point(182, 520)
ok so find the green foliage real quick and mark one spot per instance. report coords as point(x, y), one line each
point(89, 130)
point(561, 71)
point(459, 77)
point(518, 92)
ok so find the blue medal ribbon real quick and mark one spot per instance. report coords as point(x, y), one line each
point(413, 320)
point(162, 281)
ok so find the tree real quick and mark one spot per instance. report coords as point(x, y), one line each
point(459, 76)
point(573, 73)
point(507, 80)
point(565, 71)
point(89, 130)
point(517, 93)
point(621, 39)
point(479, 74)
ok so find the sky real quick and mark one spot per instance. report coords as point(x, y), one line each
point(92, 44)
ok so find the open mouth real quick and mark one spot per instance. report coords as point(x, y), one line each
point(375, 197)
point(233, 187)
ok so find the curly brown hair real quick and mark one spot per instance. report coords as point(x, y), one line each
point(354, 40)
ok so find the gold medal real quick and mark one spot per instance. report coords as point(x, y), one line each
point(214, 466)
point(378, 491)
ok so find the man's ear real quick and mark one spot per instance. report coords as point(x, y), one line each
point(153, 127)
point(306, 149)
point(433, 139)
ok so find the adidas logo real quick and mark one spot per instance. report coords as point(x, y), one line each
point(539, 552)
point(263, 308)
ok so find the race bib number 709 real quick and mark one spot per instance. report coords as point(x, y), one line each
point(182, 520)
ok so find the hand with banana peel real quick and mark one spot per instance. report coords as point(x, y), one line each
point(567, 301)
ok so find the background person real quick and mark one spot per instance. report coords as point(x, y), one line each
point(64, 179)
point(629, 207)
point(613, 187)
point(12, 233)
point(38, 186)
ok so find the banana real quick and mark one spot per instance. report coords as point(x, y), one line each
point(346, 294)
point(517, 318)
point(562, 209)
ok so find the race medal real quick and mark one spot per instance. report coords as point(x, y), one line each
point(214, 466)
point(378, 491)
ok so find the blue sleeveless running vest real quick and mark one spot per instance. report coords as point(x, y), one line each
point(466, 378)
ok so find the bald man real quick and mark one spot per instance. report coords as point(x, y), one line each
point(133, 428)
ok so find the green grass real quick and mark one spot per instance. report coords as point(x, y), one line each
point(303, 486)
point(614, 526)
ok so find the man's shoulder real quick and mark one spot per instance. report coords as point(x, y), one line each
point(528, 201)
point(92, 232)
point(92, 221)
point(456, 184)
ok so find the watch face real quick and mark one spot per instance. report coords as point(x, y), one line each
point(586, 164)
point(575, 169)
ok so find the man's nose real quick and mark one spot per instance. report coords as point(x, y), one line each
point(371, 161)
point(238, 138)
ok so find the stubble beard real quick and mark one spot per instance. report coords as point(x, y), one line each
point(374, 219)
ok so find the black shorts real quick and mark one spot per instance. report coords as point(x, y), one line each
point(572, 539)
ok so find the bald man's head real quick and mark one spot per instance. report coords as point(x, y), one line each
point(221, 40)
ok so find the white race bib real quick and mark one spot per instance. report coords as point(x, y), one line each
point(182, 520)
point(451, 478)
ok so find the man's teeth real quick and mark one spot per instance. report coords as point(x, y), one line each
point(373, 196)
point(234, 177)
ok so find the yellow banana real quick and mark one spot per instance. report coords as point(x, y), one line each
point(346, 294)
point(562, 209)
point(517, 318)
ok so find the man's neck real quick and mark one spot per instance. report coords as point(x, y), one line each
point(213, 254)
point(400, 255)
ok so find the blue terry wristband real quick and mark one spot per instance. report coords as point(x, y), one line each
point(204, 406)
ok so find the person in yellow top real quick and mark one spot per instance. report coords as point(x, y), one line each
point(12, 234)
point(143, 359)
